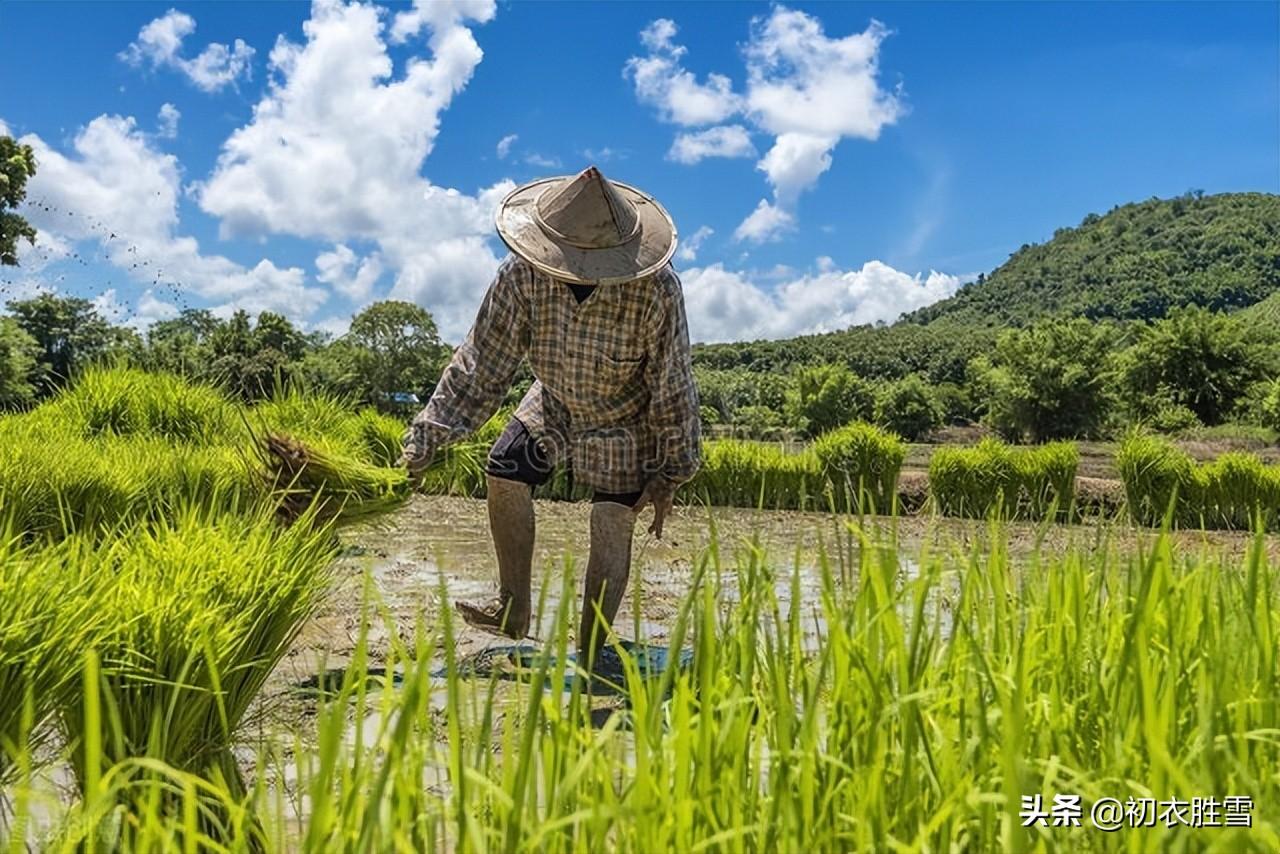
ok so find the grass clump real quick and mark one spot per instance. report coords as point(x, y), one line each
point(126, 401)
point(995, 478)
point(861, 462)
point(1236, 491)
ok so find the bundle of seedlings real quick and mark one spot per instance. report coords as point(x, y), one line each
point(302, 476)
point(48, 619)
point(198, 613)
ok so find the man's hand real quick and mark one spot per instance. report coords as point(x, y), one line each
point(659, 492)
point(417, 453)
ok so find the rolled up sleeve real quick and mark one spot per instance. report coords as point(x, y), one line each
point(673, 404)
point(484, 365)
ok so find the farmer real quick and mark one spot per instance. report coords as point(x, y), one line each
point(589, 298)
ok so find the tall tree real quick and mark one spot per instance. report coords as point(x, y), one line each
point(392, 347)
point(17, 164)
point(68, 331)
point(18, 366)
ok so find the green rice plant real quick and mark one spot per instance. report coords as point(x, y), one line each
point(1014, 482)
point(127, 401)
point(319, 476)
point(1236, 491)
point(197, 615)
point(48, 619)
point(913, 706)
point(1158, 479)
point(740, 473)
point(380, 436)
point(861, 462)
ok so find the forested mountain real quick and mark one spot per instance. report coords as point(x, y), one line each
point(1136, 262)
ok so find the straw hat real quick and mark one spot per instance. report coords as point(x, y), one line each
point(587, 229)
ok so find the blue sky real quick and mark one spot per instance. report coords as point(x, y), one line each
point(826, 163)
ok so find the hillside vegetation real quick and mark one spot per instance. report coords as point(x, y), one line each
point(1137, 262)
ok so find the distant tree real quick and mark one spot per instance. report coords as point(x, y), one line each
point(181, 344)
point(909, 407)
point(828, 396)
point(18, 365)
point(68, 332)
point(1193, 358)
point(1047, 381)
point(252, 361)
point(392, 347)
point(17, 164)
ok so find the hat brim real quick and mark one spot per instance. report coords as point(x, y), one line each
point(648, 250)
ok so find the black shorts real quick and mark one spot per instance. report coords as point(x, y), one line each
point(518, 456)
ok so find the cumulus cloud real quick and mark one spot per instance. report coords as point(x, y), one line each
point(159, 45)
point(803, 87)
point(348, 273)
point(766, 223)
point(124, 195)
point(337, 144)
point(542, 161)
point(723, 141)
point(167, 121)
point(662, 81)
point(504, 145)
point(690, 245)
point(726, 305)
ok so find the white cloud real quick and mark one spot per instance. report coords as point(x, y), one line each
point(351, 275)
point(120, 193)
point(661, 80)
point(766, 223)
point(504, 145)
point(723, 141)
point(806, 89)
point(167, 121)
point(159, 44)
point(725, 305)
point(604, 155)
point(336, 147)
point(690, 245)
point(542, 161)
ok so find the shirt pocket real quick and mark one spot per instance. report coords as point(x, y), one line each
point(618, 370)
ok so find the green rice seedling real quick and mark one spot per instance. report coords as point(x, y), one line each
point(756, 474)
point(862, 463)
point(380, 436)
point(127, 401)
point(1239, 492)
point(198, 613)
point(48, 620)
point(992, 477)
point(1158, 479)
point(302, 476)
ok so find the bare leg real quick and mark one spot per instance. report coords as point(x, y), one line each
point(511, 524)
point(608, 568)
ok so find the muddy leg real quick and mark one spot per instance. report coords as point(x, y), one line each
point(511, 525)
point(608, 567)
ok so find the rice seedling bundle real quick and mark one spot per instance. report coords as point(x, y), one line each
point(48, 620)
point(739, 473)
point(1236, 491)
point(302, 475)
point(861, 462)
point(196, 615)
point(127, 401)
point(992, 477)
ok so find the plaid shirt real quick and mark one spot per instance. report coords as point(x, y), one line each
point(614, 391)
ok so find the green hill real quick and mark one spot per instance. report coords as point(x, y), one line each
point(1135, 262)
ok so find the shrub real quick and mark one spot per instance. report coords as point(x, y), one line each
point(861, 463)
point(825, 396)
point(909, 407)
point(1014, 482)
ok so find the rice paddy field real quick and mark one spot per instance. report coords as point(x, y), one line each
point(228, 629)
